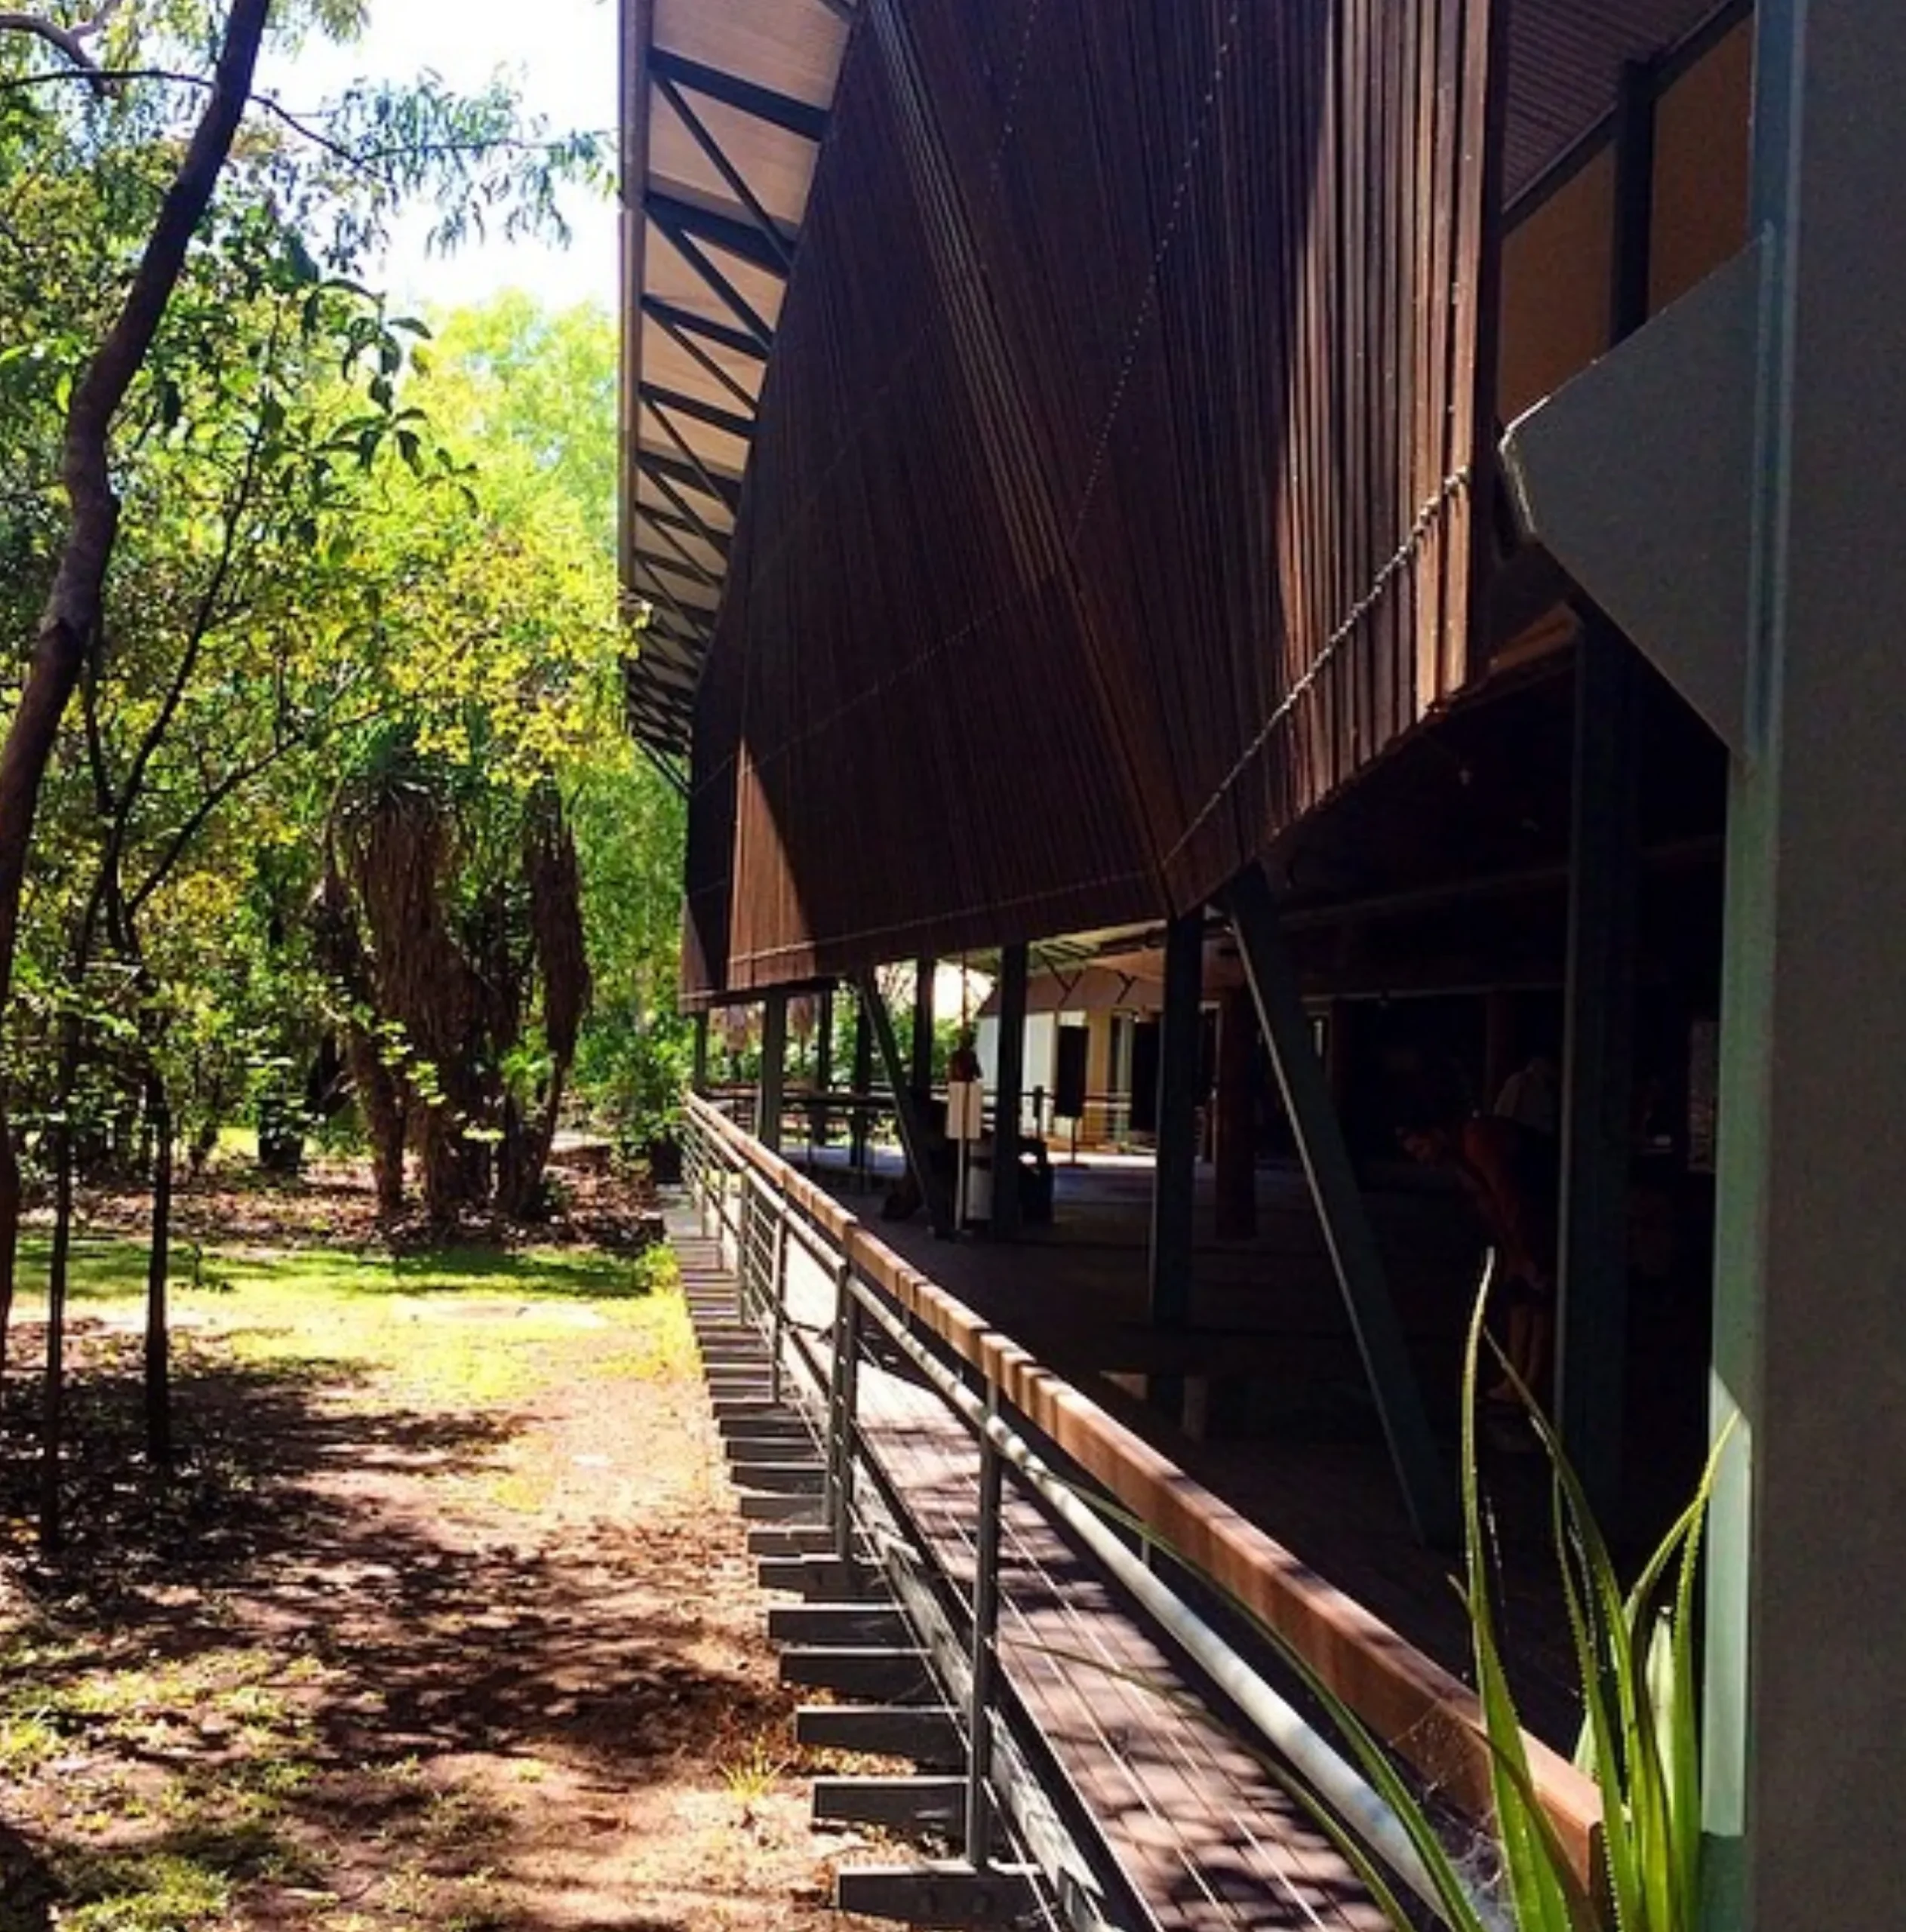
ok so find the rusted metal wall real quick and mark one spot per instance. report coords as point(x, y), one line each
point(1111, 501)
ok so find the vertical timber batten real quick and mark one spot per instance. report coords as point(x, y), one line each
point(998, 511)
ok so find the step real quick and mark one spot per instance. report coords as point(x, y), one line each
point(780, 1478)
point(774, 1425)
point(759, 1506)
point(784, 1539)
point(911, 1806)
point(858, 1623)
point(875, 1673)
point(824, 1578)
point(951, 1895)
point(927, 1734)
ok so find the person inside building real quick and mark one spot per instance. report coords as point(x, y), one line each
point(1532, 1097)
point(1511, 1174)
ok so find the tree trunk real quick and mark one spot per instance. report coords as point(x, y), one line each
point(52, 1414)
point(519, 1197)
point(10, 1204)
point(159, 1336)
point(383, 1109)
point(450, 1168)
point(74, 607)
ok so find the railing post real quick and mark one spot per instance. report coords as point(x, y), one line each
point(744, 1244)
point(842, 1396)
point(985, 1633)
point(777, 1288)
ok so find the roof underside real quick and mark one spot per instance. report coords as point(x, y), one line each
point(725, 103)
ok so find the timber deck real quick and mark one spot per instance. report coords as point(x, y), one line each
point(1289, 1437)
point(1207, 1841)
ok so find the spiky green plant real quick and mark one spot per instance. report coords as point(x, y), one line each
point(1635, 1656)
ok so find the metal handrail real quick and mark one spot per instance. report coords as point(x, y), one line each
point(1021, 1418)
point(1431, 1718)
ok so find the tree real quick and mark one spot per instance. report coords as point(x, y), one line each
point(130, 406)
point(531, 398)
point(451, 905)
point(70, 620)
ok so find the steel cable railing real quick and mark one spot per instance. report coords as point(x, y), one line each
point(829, 1300)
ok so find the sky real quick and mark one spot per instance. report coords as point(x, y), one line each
point(561, 55)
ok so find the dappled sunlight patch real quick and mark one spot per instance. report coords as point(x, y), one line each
point(455, 1630)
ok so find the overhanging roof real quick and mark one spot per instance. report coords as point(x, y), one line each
point(725, 103)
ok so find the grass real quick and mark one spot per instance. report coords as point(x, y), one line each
point(403, 1319)
point(106, 1268)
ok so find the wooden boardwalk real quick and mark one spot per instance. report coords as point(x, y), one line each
point(1206, 1838)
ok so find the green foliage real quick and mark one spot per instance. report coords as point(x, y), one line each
point(333, 527)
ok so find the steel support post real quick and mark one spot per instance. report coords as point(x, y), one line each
point(823, 1062)
point(985, 1634)
point(774, 1071)
point(844, 1386)
point(1175, 1170)
point(863, 1084)
point(1428, 1491)
point(909, 1114)
point(920, 1057)
point(1233, 1177)
point(1009, 1082)
point(1604, 908)
point(778, 1311)
point(744, 1244)
point(1806, 1748)
point(1598, 1085)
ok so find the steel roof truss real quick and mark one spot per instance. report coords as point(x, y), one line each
point(689, 454)
point(663, 519)
point(689, 560)
point(657, 465)
point(698, 129)
point(725, 291)
point(697, 354)
point(742, 428)
point(731, 234)
point(680, 322)
point(749, 97)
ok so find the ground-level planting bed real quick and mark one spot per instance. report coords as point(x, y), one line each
point(444, 1619)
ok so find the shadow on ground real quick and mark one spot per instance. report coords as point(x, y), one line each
point(287, 1530)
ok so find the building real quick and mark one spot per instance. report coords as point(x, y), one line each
point(1361, 507)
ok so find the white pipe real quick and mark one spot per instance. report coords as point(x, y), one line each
point(1336, 1782)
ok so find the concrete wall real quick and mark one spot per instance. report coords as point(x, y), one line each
point(1556, 262)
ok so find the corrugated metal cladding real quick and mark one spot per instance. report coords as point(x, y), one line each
point(1111, 500)
point(1565, 58)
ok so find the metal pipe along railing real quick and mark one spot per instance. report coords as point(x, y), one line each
point(857, 1301)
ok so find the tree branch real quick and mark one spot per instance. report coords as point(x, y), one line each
point(364, 161)
point(233, 781)
point(71, 41)
point(73, 610)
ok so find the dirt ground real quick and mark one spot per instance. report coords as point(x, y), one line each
point(445, 1621)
